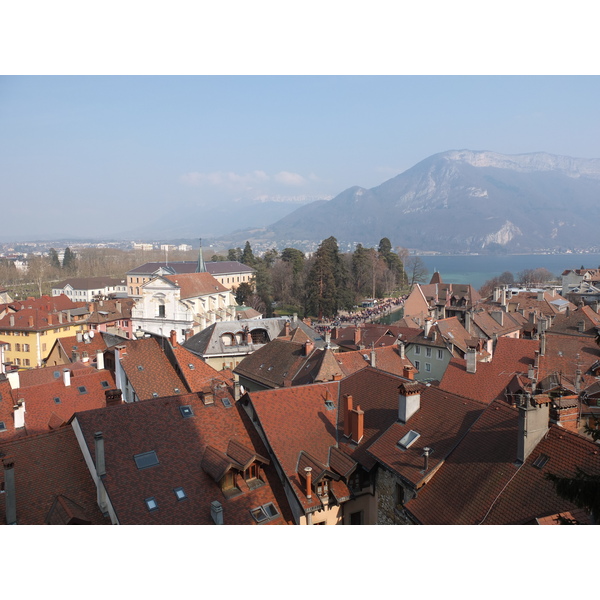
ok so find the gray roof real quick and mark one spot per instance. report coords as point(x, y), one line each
point(89, 283)
point(223, 267)
point(208, 342)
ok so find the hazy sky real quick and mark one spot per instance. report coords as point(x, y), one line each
point(89, 154)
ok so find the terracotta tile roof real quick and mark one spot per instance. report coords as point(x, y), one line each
point(481, 481)
point(295, 421)
point(386, 359)
point(276, 363)
point(193, 285)
point(180, 445)
point(564, 353)
point(442, 421)
point(156, 375)
point(569, 323)
point(453, 332)
point(490, 326)
point(110, 310)
point(371, 335)
point(49, 466)
point(511, 356)
point(528, 302)
point(196, 373)
point(7, 401)
point(376, 393)
point(43, 412)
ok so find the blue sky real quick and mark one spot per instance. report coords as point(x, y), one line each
point(88, 152)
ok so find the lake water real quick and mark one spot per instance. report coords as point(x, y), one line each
point(476, 270)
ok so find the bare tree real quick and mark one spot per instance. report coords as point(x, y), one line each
point(415, 270)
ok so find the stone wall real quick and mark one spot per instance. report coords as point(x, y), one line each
point(385, 490)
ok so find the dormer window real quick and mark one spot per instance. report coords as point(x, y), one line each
point(252, 476)
point(323, 487)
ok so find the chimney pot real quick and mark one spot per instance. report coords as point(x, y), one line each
point(173, 338)
point(408, 372)
point(308, 473)
point(347, 408)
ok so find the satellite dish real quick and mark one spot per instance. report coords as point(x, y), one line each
point(86, 336)
point(91, 334)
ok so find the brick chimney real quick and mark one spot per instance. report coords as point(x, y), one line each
point(308, 347)
point(308, 476)
point(565, 412)
point(113, 397)
point(358, 423)
point(357, 335)
point(216, 512)
point(409, 400)
point(10, 490)
point(173, 337)
point(286, 329)
point(30, 320)
point(533, 423)
point(347, 406)
point(408, 372)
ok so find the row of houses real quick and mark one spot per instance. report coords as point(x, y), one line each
point(290, 425)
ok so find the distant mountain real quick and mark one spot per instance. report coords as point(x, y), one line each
point(194, 221)
point(464, 200)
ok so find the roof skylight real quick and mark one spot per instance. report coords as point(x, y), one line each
point(57, 400)
point(151, 503)
point(82, 389)
point(264, 513)
point(226, 402)
point(540, 461)
point(186, 411)
point(409, 439)
point(104, 384)
point(146, 459)
point(179, 493)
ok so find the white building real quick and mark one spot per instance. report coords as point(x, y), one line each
point(87, 289)
point(186, 303)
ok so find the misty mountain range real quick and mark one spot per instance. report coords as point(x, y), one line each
point(464, 201)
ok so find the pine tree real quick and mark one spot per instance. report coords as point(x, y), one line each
point(328, 285)
point(69, 261)
point(53, 256)
point(248, 257)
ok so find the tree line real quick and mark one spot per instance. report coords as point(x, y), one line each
point(318, 286)
point(326, 282)
point(525, 278)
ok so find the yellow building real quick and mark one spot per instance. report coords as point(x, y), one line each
point(30, 333)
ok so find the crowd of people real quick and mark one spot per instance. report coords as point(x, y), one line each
point(367, 314)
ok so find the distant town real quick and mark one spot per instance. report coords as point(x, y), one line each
point(294, 384)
